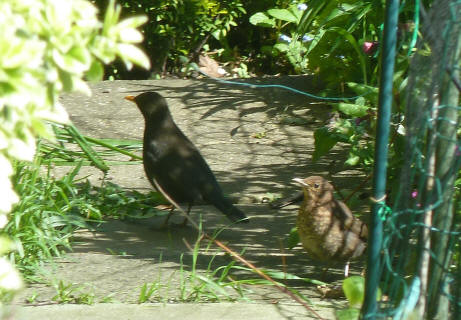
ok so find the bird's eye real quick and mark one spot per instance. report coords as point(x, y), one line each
point(316, 185)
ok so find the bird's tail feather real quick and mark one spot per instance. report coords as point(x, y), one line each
point(231, 211)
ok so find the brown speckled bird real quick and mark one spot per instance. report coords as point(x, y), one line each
point(173, 164)
point(327, 229)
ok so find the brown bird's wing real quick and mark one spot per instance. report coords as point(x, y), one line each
point(348, 221)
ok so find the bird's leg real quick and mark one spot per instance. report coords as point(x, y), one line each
point(165, 223)
point(324, 273)
point(184, 223)
point(346, 269)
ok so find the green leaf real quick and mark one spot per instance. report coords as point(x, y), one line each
point(350, 38)
point(217, 34)
point(354, 289)
point(283, 14)
point(293, 238)
point(316, 40)
point(80, 54)
point(66, 80)
point(353, 160)
point(353, 110)
point(130, 53)
point(75, 61)
point(370, 93)
point(96, 71)
point(111, 17)
point(6, 245)
point(324, 141)
point(282, 47)
point(315, 9)
point(348, 314)
point(296, 12)
point(262, 20)
point(281, 275)
point(132, 22)
point(130, 35)
point(333, 14)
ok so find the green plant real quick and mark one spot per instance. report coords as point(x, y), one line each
point(341, 46)
point(281, 20)
point(210, 286)
point(46, 48)
point(151, 290)
point(325, 38)
point(178, 30)
point(354, 290)
point(148, 291)
point(220, 284)
point(70, 293)
point(52, 208)
point(42, 222)
point(354, 126)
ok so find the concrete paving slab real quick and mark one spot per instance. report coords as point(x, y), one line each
point(248, 138)
point(205, 311)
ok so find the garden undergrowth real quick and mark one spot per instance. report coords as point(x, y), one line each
point(52, 208)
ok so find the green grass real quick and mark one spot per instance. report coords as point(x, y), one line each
point(79, 294)
point(52, 208)
point(217, 282)
point(42, 223)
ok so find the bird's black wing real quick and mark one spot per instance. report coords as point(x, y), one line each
point(177, 165)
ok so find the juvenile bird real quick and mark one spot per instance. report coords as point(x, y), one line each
point(327, 229)
point(173, 164)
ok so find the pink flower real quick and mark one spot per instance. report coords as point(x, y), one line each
point(369, 47)
point(414, 194)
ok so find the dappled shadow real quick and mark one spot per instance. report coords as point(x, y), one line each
point(255, 141)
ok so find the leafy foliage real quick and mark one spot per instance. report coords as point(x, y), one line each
point(51, 209)
point(178, 30)
point(339, 41)
point(47, 47)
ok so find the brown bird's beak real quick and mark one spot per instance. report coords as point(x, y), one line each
point(130, 98)
point(300, 182)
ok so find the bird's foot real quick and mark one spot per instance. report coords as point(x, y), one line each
point(331, 291)
point(170, 225)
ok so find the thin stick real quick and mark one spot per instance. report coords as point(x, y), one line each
point(236, 256)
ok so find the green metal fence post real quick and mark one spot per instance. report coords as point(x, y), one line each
point(381, 151)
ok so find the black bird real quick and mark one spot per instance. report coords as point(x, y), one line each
point(173, 164)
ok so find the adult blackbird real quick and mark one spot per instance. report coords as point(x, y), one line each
point(327, 229)
point(173, 164)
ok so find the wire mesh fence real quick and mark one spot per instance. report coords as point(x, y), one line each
point(420, 270)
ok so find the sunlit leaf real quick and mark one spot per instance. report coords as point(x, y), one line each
point(262, 20)
point(354, 289)
point(353, 110)
point(283, 14)
point(324, 141)
point(131, 53)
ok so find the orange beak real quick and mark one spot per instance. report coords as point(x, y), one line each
point(130, 98)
